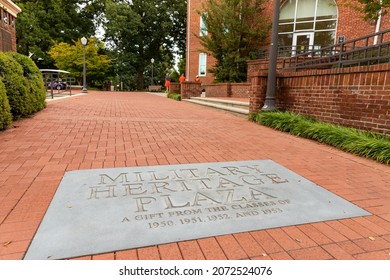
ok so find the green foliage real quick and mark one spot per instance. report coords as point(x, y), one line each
point(174, 96)
point(140, 30)
point(69, 57)
point(371, 9)
point(235, 29)
point(11, 74)
point(5, 110)
point(135, 31)
point(23, 84)
point(366, 144)
point(42, 22)
point(37, 90)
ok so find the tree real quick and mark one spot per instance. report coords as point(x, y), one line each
point(42, 22)
point(140, 30)
point(70, 58)
point(371, 9)
point(235, 29)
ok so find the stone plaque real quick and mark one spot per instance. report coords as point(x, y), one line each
point(105, 210)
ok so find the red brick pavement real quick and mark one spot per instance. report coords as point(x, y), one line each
point(111, 129)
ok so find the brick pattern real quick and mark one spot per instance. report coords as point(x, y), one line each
point(358, 97)
point(190, 89)
point(8, 29)
point(193, 45)
point(236, 90)
point(174, 88)
point(257, 92)
point(240, 90)
point(123, 129)
point(218, 90)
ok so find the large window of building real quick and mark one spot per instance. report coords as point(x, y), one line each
point(202, 64)
point(307, 24)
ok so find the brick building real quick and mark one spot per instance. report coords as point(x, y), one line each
point(303, 23)
point(8, 14)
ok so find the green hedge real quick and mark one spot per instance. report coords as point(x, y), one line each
point(37, 90)
point(362, 143)
point(5, 109)
point(23, 85)
point(16, 85)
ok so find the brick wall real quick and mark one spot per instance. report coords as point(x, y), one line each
point(193, 45)
point(7, 37)
point(352, 25)
point(190, 89)
point(238, 90)
point(257, 92)
point(174, 88)
point(218, 90)
point(357, 97)
point(8, 28)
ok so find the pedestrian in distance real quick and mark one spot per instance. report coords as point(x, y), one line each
point(167, 82)
point(182, 78)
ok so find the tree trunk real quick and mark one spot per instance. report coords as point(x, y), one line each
point(140, 79)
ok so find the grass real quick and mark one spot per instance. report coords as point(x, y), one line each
point(366, 144)
point(175, 96)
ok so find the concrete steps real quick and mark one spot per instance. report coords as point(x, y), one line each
point(233, 106)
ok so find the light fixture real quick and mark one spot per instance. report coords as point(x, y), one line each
point(84, 43)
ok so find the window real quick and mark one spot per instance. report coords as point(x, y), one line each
point(203, 28)
point(202, 64)
point(5, 16)
point(303, 16)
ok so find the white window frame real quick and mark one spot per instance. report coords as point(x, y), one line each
point(310, 36)
point(202, 71)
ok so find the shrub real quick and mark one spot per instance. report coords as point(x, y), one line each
point(16, 85)
point(366, 144)
point(5, 109)
point(174, 96)
point(37, 90)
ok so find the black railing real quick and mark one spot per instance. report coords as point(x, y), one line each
point(366, 50)
point(283, 51)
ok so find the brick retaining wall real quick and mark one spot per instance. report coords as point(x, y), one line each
point(190, 89)
point(174, 88)
point(238, 90)
point(357, 97)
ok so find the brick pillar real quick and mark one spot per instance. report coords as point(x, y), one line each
point(257, 92)
point(174, 88)
point(190, 89)
point(229, 90)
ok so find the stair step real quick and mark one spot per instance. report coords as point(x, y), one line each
point(233, 103)
point(219, 105)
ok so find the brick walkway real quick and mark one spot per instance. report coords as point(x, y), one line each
point(104, 130)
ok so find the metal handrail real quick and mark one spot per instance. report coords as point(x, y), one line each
point(356, 52)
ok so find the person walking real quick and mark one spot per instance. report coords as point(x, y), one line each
point(167, 82)
point(182, 79)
